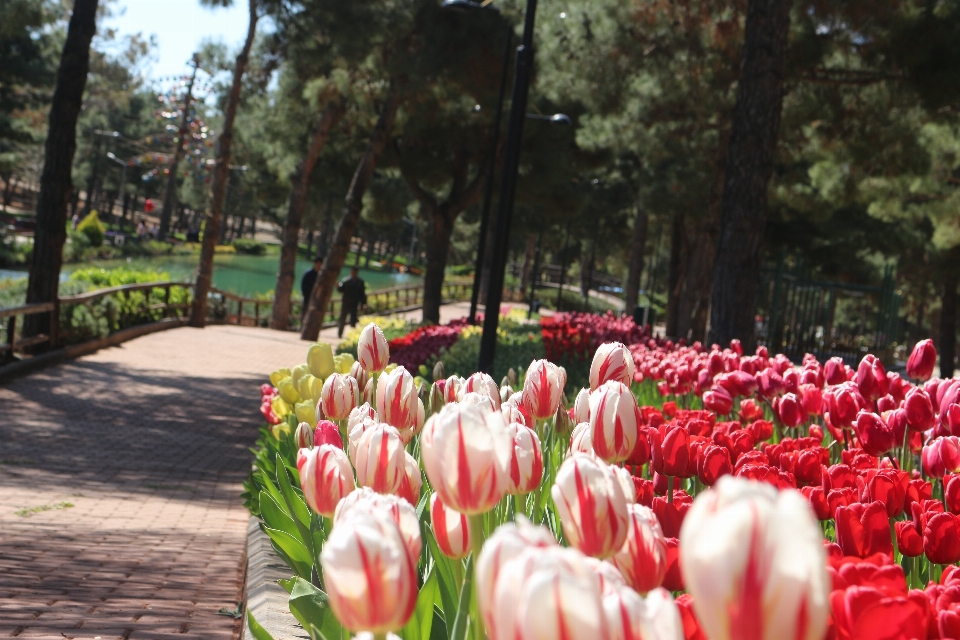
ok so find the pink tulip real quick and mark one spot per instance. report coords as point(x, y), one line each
point(370, 578)
point(542, 389)
point(634, 617)
point(922, 360)
point(412, 480)
point(507, 543)
point(835, 371)
point(466, 453)
point(482, 384)
point(612, 361)
point(327, 433)
point(379, 459)
point(592, 508)
point(941, 456)
point(373, 352)
point(451, 530)
point(614, 421)
point(643, 557)
point(365, 501)
point(339, 396)
point(325, 476)
point(753, 560)
point(397, 399)
point(526, 463)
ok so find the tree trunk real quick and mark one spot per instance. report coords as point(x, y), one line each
point(291, 227)
point(438, 250)
point(753, 141)
point(221, 175)
point(55, 182)
point(948, 315)
point(327, 279)
point(675, 275)
point(632, 286)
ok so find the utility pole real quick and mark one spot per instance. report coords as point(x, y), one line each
point(170, 197)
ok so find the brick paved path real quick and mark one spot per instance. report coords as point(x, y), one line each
point(149, 444)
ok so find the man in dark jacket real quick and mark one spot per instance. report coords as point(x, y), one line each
point(306, 284)
point(354, 291)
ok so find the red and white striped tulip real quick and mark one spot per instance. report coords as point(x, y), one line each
point(451, 388)
point(373, 352)
point(754, 563)
point(327, 433)
point(612, 361)
point(370, 578)
point(592, 508)
point(304, 436)
point(466, 453)
point(325, 476)
point(412, 481)
point(475, 399)
point(614, 421)
point(542, 389)
point(407, 434)
point(511, 412)
point(482, 384)
point(450, 528)
point(634, 617)
point(360, 375)
point(581, 440)
point(581, 407)
point(339, 396)
point(365, 500)
point(642, 560)
point(355, 434)
point(397, 399)
point(360, 414)
point(507, 543)
point(379, 459)
point(551, 593)
point(526, 463)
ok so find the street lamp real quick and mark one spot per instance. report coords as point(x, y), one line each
point(123, 176)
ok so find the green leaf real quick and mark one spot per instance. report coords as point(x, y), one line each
point(274, 516)
point(447, 585)
point(288, 583)
point(422, 620)
point(271, 488)
point(461, 622)
point(258, 632)
point(298, 509)
point(311, 608)
point(295, 550)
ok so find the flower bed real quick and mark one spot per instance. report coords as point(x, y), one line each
point(682, 493)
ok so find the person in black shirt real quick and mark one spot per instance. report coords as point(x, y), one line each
point(306, 284)
point(354, 291)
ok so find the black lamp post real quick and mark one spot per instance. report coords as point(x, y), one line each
point(508, 188)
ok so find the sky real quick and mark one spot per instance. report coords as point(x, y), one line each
point(179, 27)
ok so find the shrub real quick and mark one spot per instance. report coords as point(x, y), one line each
point(92, 228)
point(13, 253)
point(249, 246)
point(518, 344)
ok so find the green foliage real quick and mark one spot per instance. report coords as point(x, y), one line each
point(249, 246)
point(13, 253)
point(92, 228)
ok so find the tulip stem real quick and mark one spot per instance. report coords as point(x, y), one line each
point(670, 489)
point(373, 389)
point(476, 533)
point(379, 636)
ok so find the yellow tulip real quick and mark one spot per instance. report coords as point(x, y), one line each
point(320, 360)
point(343, 362)
point(306, 412)
point(316, 386)
point(305, 386)
point(279, 375)
point(280, 408)
point(297, 374)
point(277, 429)
point(288, 391)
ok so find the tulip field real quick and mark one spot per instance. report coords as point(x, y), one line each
point(685, 492)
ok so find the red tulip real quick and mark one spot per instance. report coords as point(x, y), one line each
point(643, 557)
point(612, 361)
point(670, 452)
point(789, 410)
point(327, 433)
point(909, 540)
point(867, 613)
point(718, 400)
point(614, 421)
point(951, 493)
point(863, 530)
point(542, 389)
point(885, 486)
point(325, 476)
point(811, 399)
point(673, 580)
point(713, 462)
point(876, 436)
point(691, 625)
point(450, 528)
point(919, 408)
point(871, 378)
point(834, 371)
point(379, 459)
point(941, 456)
point(837, 498)
point(591, 505)
point(671, 514)
point(750, 410)
point(941, 538)
point(922, 360)
point(818, 501)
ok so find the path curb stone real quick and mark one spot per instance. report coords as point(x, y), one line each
point(266, 599)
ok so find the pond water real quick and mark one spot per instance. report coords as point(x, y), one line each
point(237, 273)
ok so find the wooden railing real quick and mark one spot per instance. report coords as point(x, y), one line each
point(157, 304)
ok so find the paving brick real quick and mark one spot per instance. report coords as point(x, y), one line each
point(149, 444)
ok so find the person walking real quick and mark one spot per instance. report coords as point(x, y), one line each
point(354, 291)
point(306, 284)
